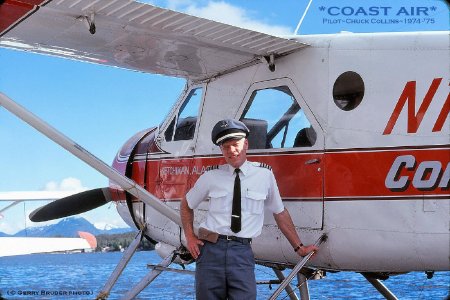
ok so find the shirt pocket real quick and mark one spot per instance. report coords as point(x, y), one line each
point(255, 202)
point(217, 201)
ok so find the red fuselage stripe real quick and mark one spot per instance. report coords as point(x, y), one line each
point(332, 176)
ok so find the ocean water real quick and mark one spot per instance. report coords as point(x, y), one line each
point(82, 276)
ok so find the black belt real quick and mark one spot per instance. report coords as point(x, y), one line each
point(235, 238)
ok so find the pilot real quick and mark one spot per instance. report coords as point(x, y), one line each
point(238, 193)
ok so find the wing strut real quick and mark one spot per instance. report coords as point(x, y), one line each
point(296, 269)
point(124, 182)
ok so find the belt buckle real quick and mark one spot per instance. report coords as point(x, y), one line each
point(229, 238)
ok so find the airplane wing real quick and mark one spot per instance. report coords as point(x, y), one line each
point(135, 36)
point(19, 197)
point(34, 195)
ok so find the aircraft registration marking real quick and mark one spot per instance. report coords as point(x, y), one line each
point(408, 98)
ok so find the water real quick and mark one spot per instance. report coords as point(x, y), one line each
point(81, 276)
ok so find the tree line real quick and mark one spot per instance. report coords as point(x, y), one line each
point(121, 241)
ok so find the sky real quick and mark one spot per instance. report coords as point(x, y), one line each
point(101, 107)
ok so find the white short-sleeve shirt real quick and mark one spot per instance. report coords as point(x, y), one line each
point(259, 191)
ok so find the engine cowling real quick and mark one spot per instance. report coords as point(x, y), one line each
point(131, 162)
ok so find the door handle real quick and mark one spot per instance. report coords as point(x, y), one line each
point(312, 161)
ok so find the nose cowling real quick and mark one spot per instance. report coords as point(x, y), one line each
point(131, 161)
point(134, 151)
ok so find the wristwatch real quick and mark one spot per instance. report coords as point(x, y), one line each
point(298, 247)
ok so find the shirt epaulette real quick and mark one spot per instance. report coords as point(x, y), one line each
point(263, 165)
point(209, 168)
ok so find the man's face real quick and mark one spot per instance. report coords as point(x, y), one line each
point(235, 152)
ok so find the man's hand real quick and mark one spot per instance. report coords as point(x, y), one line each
point(193, 245)
point(187, 218)
point(305, 250)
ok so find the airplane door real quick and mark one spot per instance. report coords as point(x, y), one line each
point(286, 136)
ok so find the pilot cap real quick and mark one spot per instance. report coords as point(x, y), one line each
point(228, 129)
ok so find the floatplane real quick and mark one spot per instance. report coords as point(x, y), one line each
point(355, 127)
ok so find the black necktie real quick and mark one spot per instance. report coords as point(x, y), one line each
point(236, 210)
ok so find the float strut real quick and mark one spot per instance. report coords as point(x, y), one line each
point(380, 287)
point(104, 293)
point(149, 278)
point(289, 289)
point(303, 286)
point(296, 269)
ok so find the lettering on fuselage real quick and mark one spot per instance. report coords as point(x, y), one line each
point(425, 176)
point(408, 98)
point(183, 170)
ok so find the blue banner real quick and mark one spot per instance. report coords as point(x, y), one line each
point(325, 16)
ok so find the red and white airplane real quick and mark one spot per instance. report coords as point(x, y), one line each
point(355, 126)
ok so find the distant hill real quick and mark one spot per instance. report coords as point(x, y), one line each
point(67, 227)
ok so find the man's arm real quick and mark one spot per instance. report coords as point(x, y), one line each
point(284, 222)
point(187, 219)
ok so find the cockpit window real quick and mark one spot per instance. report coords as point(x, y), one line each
point(276, 120)
point(182, 126)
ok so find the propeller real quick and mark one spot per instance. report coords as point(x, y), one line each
point(127, 184)
point(72, 205)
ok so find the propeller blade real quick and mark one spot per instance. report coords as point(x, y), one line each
point(72, 205)
point(124, 182)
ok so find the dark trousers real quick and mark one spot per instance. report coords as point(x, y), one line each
point(225, 270)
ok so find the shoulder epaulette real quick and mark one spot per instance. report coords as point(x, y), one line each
point(209, 168)
point(263, 165)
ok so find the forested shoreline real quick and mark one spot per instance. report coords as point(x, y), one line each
point(119, 242)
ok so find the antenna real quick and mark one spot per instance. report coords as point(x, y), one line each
point(301, 19)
